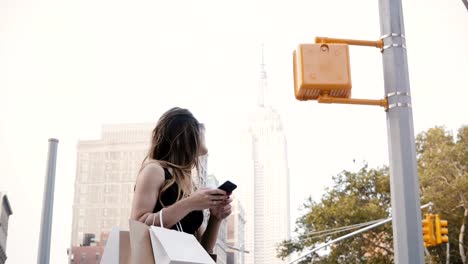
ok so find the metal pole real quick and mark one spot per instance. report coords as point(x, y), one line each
point(407, 229)
point(465, 2)
point(362, 230)
point(447, 260)
point(43, 256)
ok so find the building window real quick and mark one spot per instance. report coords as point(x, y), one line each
point(81, 212)
point(80, 223)
point(105, 212)
point(83, 166)
point(109, 200)
point(114, 155)
point(84, 177)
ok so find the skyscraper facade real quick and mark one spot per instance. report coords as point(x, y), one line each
point(235, 234)
point(105, 177)
point(264, 181)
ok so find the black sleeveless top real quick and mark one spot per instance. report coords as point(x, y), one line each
point(192, 221)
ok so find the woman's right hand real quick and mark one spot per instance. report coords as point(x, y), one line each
point(205, 198)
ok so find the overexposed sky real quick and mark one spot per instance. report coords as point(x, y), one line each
point(66, 67)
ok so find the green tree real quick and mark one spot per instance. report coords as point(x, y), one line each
point(443, 175)
point(358, 197)
point(354, 198)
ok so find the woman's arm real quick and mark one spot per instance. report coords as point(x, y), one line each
point(148, 185)
point(217, 214)
point(208, 239)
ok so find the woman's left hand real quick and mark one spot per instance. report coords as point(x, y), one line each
point(222, 210)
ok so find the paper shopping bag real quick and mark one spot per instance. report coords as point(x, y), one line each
point(174, 247)
point(117, 248)
point(141, 250)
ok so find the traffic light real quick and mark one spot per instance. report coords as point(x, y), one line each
point(428, 230)
point(441, 230)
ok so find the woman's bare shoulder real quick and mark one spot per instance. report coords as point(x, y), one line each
point(151, 174)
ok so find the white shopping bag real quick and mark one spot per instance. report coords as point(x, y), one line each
point(117, 250)
point(174, 247)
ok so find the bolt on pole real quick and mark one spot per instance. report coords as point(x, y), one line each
point(407, 230)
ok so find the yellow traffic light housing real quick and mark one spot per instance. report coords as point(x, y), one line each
point(428, 231)
point(322, 71)
point(441, 230)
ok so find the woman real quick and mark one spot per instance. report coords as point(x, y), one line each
point(165, 180)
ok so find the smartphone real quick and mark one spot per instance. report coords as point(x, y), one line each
point(228, 187)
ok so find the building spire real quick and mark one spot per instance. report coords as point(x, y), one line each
point(262, 87)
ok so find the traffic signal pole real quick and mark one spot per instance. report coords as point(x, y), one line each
point(332, 84)
point(407, 230)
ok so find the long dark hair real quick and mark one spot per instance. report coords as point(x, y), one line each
point(176, 143)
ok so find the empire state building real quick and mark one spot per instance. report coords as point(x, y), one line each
point(264, 181)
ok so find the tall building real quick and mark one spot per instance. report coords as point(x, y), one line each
point(235, 234)
point(5, 212)
point(105, 177)
point(264, 181)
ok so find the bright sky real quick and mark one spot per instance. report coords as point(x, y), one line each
point(66, 67)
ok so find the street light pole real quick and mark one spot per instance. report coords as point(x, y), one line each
point(407, 230)
point(43, 254)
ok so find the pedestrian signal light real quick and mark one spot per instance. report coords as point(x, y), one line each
point(428, 231)
point(441, 230)
point(322, 71)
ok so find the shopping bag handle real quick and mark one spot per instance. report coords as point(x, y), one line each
point(178, 225)
point(160, 218)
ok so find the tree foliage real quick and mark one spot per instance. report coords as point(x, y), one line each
point(443, 176)
point(363, 196)
point(354, 198)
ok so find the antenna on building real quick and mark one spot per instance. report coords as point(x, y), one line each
point(262, 87)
